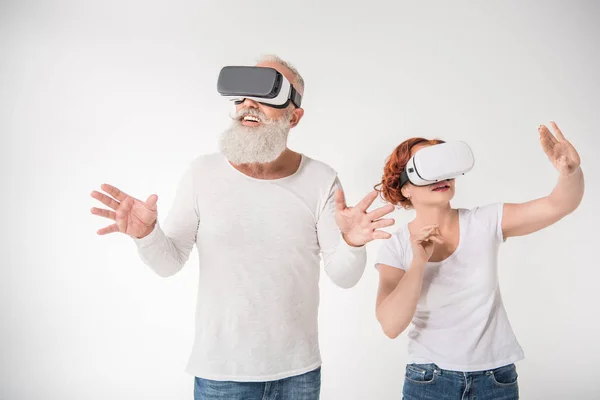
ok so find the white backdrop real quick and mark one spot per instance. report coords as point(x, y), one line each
point(125, 93)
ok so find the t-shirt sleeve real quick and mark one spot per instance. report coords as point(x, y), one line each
point(391, 253)
point(490, 216)
point(344, 264)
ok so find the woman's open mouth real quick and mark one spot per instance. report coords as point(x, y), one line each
point(441, 187)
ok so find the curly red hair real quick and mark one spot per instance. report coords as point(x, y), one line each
point(389, 187)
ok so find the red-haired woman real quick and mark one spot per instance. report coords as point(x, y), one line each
point(438, 273)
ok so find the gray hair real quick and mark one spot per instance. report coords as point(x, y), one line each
point(297, 77)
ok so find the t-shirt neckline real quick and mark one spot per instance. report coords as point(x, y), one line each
point(283, 178)
point(461, 235)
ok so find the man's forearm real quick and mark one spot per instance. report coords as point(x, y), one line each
point(346, 264)
point(161, 253)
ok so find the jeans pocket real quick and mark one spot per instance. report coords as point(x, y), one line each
point(421, 373)
point(505, 376)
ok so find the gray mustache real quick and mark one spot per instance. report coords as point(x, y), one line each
point(250, 111)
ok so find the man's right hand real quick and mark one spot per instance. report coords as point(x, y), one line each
point(132, 216)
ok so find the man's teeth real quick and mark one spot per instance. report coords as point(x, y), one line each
point(251, 118)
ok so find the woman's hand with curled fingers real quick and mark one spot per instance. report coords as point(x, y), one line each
point(423, 243)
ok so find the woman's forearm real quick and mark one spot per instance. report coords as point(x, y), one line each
point(568, 192)
point(396, 311)
point(524, 218)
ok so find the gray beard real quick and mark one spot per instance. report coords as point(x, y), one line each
point(248, 145)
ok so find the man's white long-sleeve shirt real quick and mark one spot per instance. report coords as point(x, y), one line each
point(259, 246)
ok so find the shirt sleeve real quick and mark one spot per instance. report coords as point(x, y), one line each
point(390, 253)
point(344, 264)
point(499, 214)
point(490, 216)
point(167, 248)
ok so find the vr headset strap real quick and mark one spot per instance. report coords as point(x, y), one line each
point(295, 97)
point(404, 176)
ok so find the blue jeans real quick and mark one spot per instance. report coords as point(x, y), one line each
point(429, 382)
point(301, 387)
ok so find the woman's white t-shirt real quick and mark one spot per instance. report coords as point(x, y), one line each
point(460, 322)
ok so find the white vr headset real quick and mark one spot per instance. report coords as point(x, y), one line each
point(261, 84)
point(436, 163)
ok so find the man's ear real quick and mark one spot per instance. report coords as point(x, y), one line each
point(297, 115)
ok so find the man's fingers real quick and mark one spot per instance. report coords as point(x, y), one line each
point(122, 213)
point(108, 229)
point(340, 200)
point(380, 212)
point(151, 202)
point(114, 192)
point(382, 223)
point(366, 202)
point(104, 213)
point(104, 199)
point(381, 235)
point(557, 131)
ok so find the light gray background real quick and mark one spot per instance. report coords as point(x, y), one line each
point(125, 92)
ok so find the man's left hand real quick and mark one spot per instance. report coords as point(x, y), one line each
point(359, 227)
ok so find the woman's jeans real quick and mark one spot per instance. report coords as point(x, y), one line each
point(429, 382)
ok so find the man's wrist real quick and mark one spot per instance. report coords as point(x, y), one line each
point(349, 242)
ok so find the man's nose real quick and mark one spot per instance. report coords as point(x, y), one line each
point(249, 103)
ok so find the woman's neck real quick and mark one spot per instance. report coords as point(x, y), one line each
point(443, 216)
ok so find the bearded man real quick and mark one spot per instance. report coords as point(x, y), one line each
point(261, 216)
